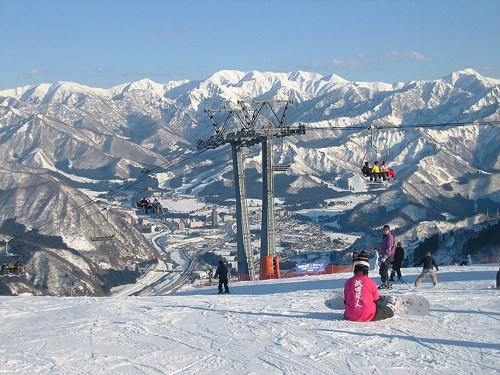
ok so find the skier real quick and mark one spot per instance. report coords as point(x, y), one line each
point(429, 262)
point(361, 296)
point(387, 248)
point(222, 273)
point(399, 255)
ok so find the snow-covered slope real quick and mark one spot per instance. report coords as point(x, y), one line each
point(270, 327)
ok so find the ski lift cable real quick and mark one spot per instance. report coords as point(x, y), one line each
point(117, 190)
point(407, 126)
point(157, 169)
point(107, 195)
point(162, 167)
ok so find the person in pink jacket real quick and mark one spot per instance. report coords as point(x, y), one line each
point(361, 296)
point(387, 249)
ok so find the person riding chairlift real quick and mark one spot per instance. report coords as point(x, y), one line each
point(375, 174)
point(367, 171)
point(391, 174)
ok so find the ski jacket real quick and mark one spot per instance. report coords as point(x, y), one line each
point(375, 169)
point(360, 294)
point(221, 272)
point(428, 261)
point(388, 245)
point(468, 261)
point(399, 255)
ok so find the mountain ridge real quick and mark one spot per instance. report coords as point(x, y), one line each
point(74, 134)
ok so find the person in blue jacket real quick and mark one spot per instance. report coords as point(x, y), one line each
point(467, 261)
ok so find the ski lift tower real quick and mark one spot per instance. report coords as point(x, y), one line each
point(252, 128)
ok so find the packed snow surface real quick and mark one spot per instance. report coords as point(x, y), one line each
point(267, 327)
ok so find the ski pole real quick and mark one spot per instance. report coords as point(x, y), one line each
point(408, 285)
point(425, 276)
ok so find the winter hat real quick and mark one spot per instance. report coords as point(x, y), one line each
point(221, 262)
point(362, 262)
point(386, 227)
point(399, 244)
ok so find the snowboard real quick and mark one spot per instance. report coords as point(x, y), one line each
point(411, 304)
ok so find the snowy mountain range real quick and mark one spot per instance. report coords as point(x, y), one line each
point(56, 138)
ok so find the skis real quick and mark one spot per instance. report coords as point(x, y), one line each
point(411, 304)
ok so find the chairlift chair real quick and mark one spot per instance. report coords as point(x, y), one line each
point(375, 153)
point(106, 236)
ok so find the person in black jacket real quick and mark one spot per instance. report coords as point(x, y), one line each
point(399, 255)
point(222, 273)
point(367, 171)
point(429, 262)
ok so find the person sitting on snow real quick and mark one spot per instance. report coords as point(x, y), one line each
point(467, 261)
point(361, 298)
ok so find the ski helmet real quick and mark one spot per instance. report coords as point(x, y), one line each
point(362, 262)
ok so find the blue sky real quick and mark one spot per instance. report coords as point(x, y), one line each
point(102, 43)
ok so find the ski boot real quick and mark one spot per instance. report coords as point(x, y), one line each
point(385, 285)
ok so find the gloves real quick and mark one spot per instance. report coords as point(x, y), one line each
point(437, 269)
point(382, 259)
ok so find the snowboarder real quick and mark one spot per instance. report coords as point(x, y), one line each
point(399, 255)
point(222, 273)
point(429, 262)
point(361, 296)
point(387, 248)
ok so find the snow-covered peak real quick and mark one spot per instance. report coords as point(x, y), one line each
point(467, 79)
point(305, 76)
point(333, 78)
point(227, 77)
point(144, 84)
